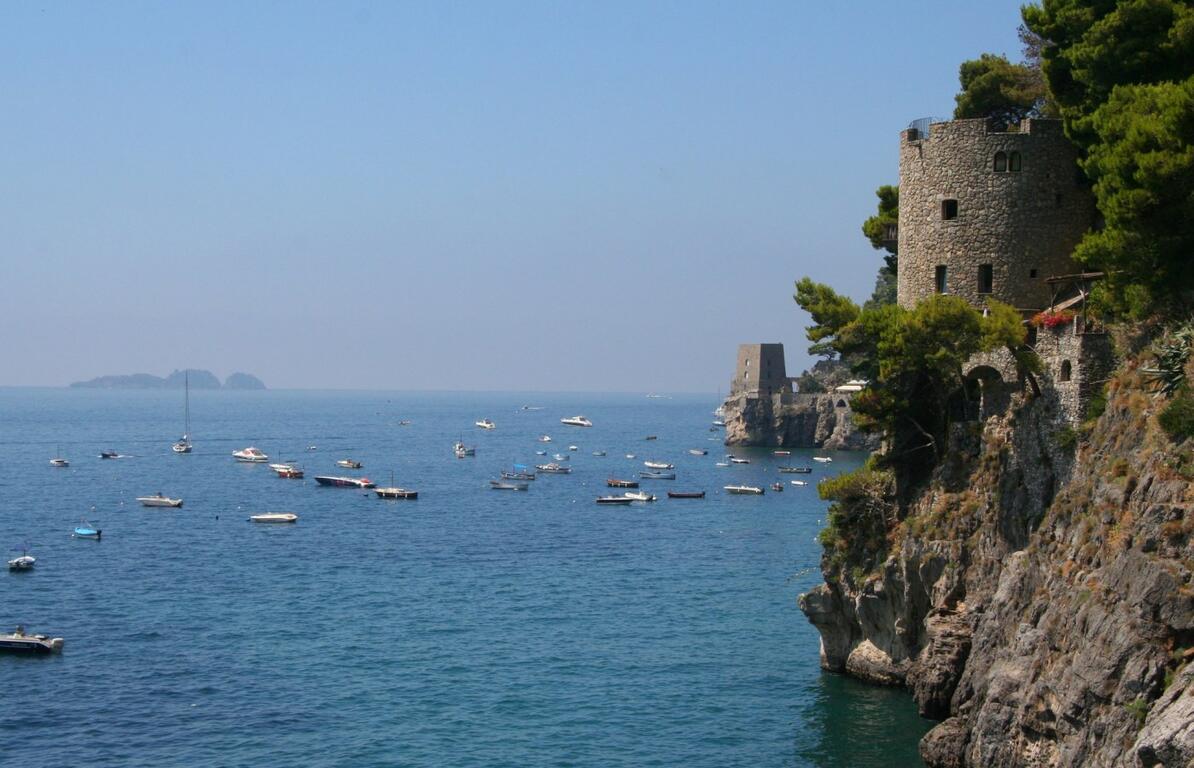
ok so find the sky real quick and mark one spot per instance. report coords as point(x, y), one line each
point(528, 196)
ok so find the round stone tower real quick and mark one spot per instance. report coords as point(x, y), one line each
point(987, 214)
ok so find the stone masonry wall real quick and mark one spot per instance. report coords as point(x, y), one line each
point(1016, 221)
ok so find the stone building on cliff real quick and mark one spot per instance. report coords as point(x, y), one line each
point(763, 407)
point(994, 212)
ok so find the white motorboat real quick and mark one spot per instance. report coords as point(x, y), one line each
point(598, 453)
point(719, 423)
point(620, 500)
point(275, 517)
point(573, 448)
point(553, 469)
point(349, 464)
point(576, 421)
point(507, 485)
point(59, 462)
point(639, 496)
point(20, 642)
point(799, 482)
point(744, 489)
point(159, 500)
point(736, 460)
point(540, 453)
point(545, 438)
point(184, 443)
point(486, 424)
point(698, 452)
point(462, 451)
point(822, 459)
point(344, 482)
point(722, 464)
point(630, 455)
point(562, 457)
point(658, 465)
point(250, 455)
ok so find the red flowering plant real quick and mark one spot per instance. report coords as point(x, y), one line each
point(1052, 319)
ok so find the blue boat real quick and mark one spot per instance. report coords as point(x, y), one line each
point(657, 475)
point(85, 530)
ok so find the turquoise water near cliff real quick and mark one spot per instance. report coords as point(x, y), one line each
point(467, 628)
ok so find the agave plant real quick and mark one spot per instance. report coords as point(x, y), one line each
point(1168, 372)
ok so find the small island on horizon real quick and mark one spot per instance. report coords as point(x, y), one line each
point(197, 378)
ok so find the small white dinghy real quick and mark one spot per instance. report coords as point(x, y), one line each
point(275, 517)
point(159, 500)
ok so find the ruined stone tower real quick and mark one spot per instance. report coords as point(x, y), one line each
point(761, 371)
point(988, 214)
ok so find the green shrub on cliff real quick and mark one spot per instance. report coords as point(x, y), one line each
point(1177, 418)
point(860, 516)
point(913, 360)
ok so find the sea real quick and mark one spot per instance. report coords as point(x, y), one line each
point(469, 627)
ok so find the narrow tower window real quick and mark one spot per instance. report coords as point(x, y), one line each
point(940, 278)
point(1066, 371)
point(986, 278)
point(1000, 162)
point(949, 209)
point(1013, 162)
point(1032, 272)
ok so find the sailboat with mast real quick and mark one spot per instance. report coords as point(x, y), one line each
point(184, 445)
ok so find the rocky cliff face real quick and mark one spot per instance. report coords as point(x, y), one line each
point(794, 421)
point(1040, 603)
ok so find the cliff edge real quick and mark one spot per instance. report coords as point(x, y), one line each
point(1035, 597)
point(794, 421)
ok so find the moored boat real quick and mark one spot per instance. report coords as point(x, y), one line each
point(737, 460)
point(159, 500)
point(777, 487)
point(287, 470)
point(658, 465)
point(698, 451)
point(396, 493)
point(506, 485)
point(486, 424)
point(23, 561)
point(19, 642)
point(463, 451)
point(85, 530)
point(744, 489)
point(184, 443)
point(822, 459)
point(781, 453)
point(553, 469)
point(614, 482)
point(796, 470)
point(614, 500)
point(598, 453)
point(545, 438)
point(59, 462)
point(686, 494)
point(520, 472)
point(274, 517)
point(349, 464)
point(344, 482)
point(639, 496)
point(799, 482)
point(109, 454)
point(657, 475)
point(250, 455)
point(576, 421)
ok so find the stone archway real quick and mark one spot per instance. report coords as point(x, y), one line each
point(987, 393)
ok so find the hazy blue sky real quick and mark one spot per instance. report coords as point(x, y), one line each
point(478, 195)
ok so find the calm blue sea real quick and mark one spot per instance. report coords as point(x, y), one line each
point(468, 628)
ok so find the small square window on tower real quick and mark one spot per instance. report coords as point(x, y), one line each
point(949, 210)
point(1032, 272)
point(986, 278)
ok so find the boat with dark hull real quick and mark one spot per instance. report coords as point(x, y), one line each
point(686, 494)
point(19, 642)
point(657, 475)
point(796, 470)
point(614, 482)
point(506, 485)
point(621, 500)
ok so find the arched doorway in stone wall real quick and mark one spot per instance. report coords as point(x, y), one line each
point(987, 393)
